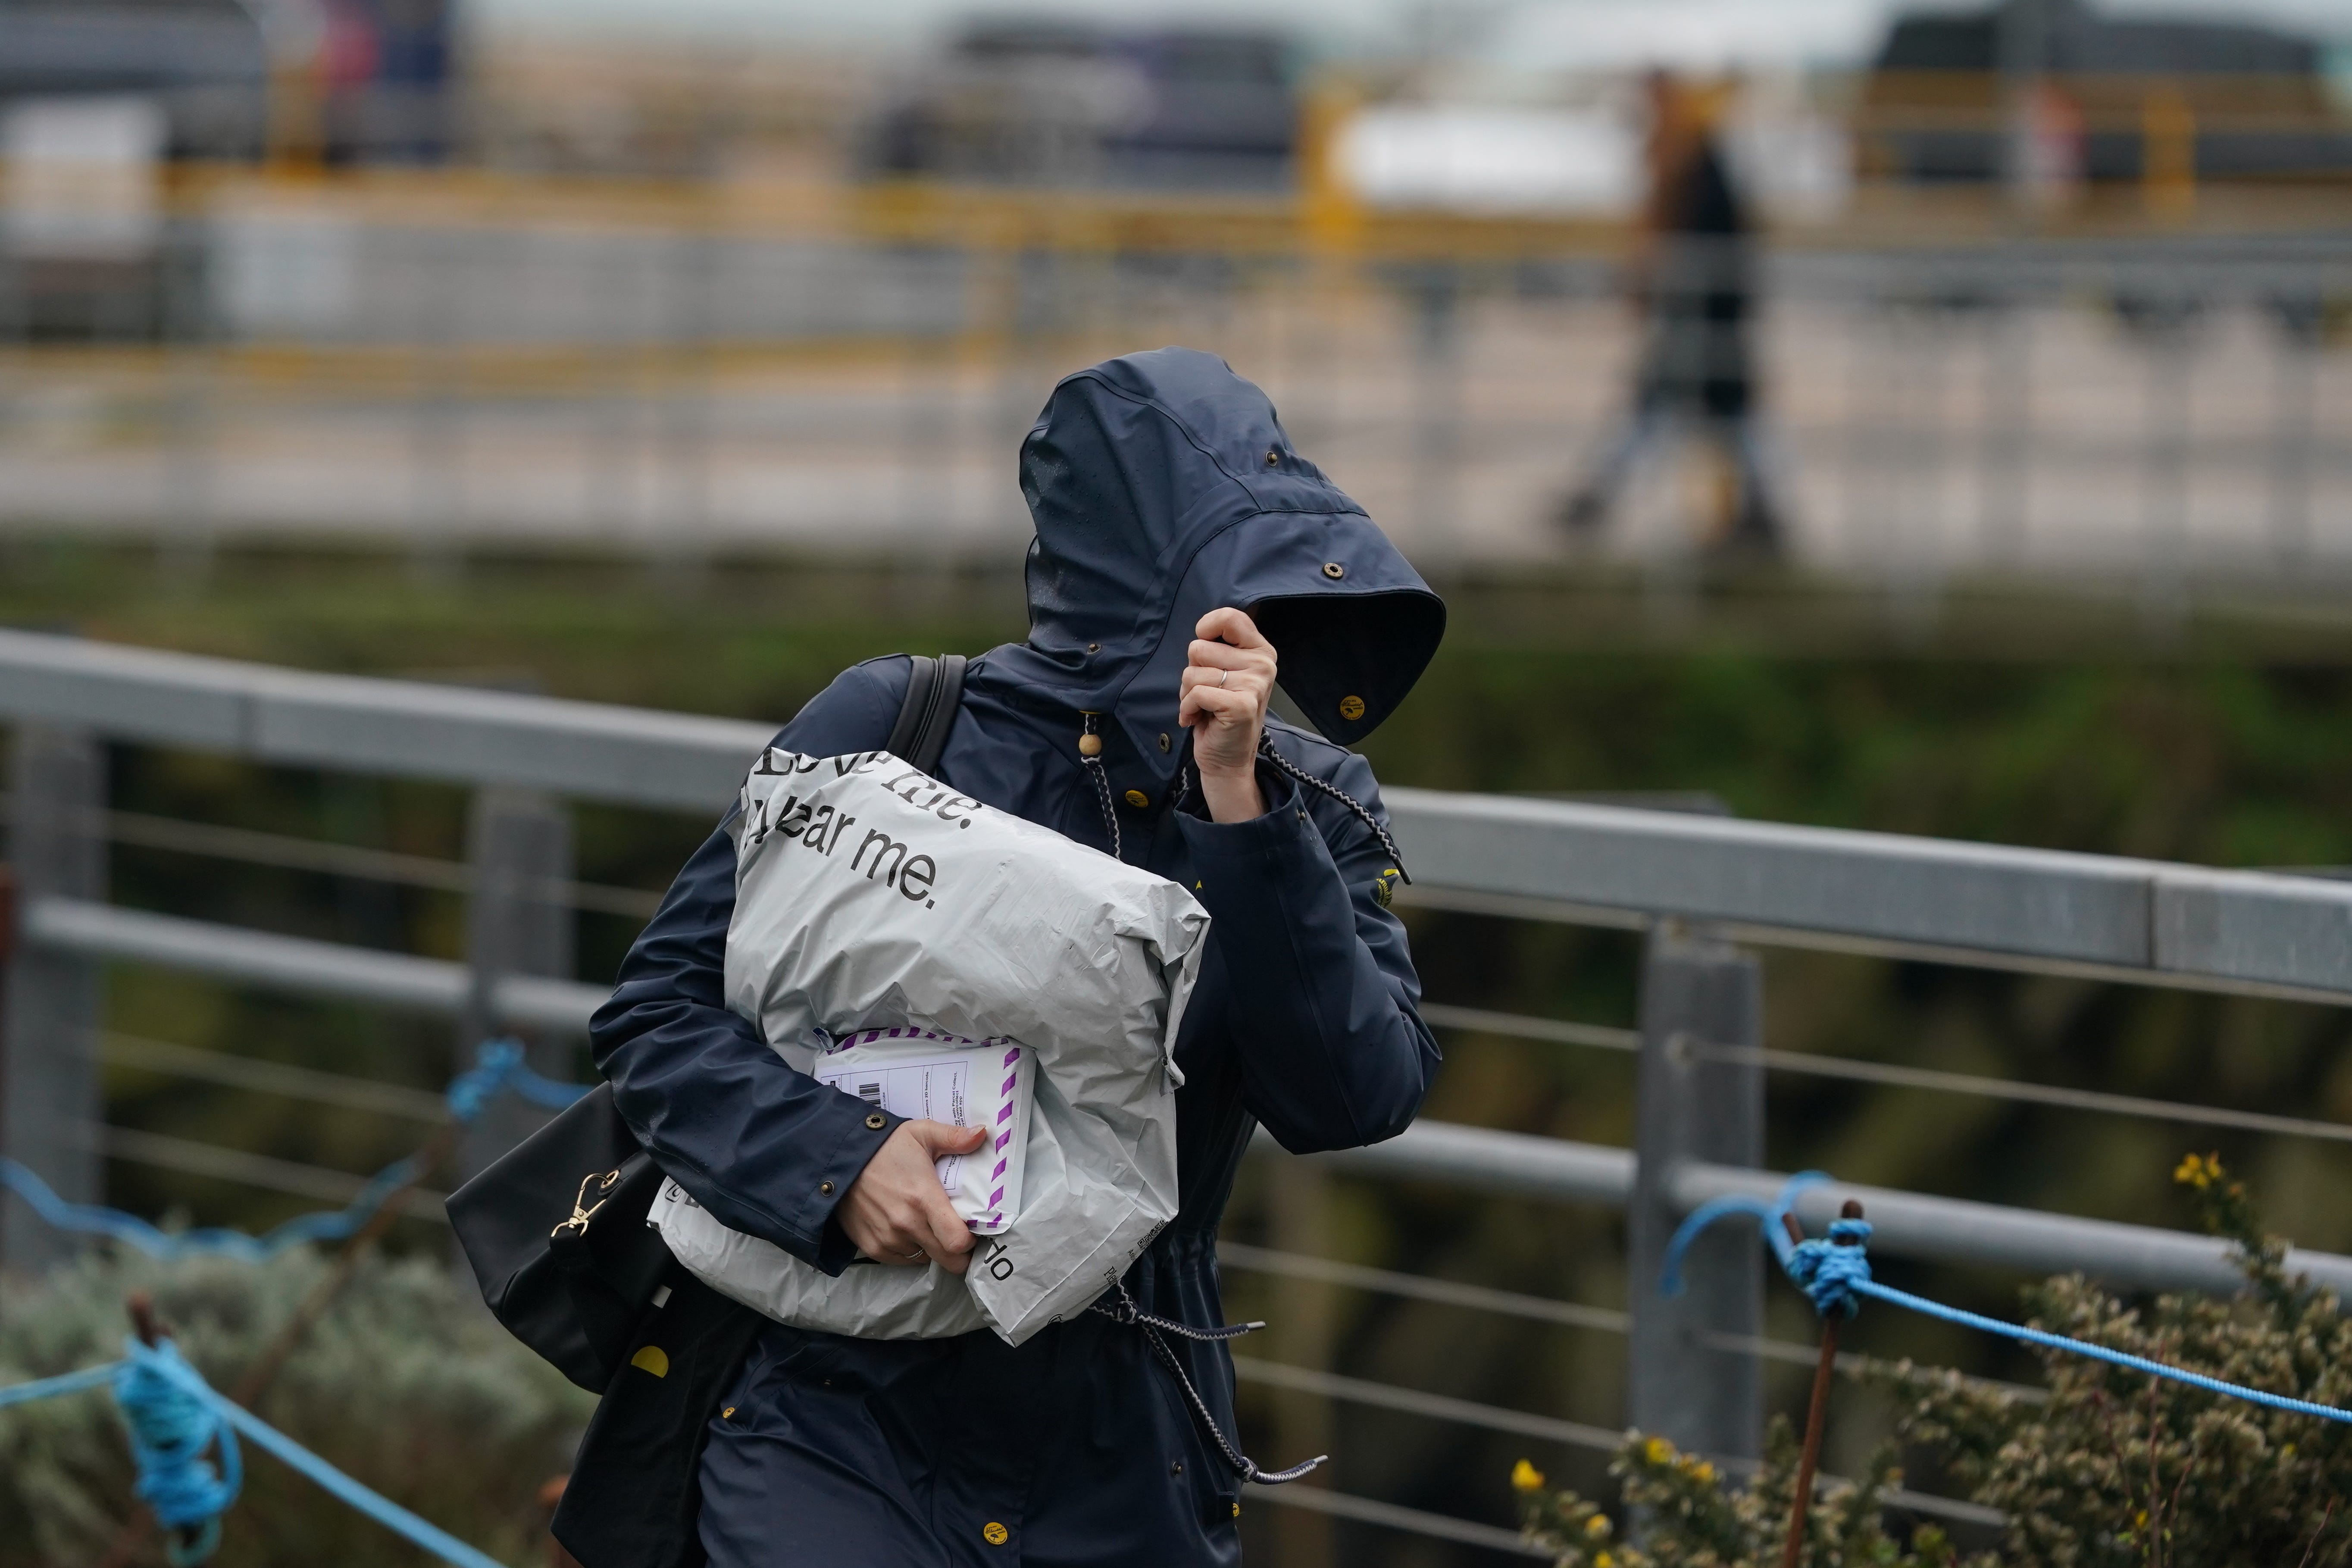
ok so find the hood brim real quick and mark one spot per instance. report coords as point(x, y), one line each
point(1348, 661)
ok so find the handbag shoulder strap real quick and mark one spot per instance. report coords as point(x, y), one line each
point(934, 697)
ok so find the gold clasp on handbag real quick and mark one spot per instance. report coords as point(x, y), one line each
point(583, 1211)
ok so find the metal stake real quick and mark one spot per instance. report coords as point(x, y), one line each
point(151, 1332)
point(1816, 1414)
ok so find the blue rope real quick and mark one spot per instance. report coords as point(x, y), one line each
point(498, 1065)
point(382, 1510)
point(1834, 1274)
point(2100, 1353)
point(171, 1424)
point(50, 1387)
point(94, 1219)
point(173, 1416)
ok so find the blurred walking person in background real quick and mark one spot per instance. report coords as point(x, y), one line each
point(1690, 280)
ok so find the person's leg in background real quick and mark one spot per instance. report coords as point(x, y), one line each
point(1756, 516)
point(1587, 506)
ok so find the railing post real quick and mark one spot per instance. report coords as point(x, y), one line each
point(49, 1093)
point(1695, 990)
point(519, 842)
point(1435, 293)
point(1305, 1325)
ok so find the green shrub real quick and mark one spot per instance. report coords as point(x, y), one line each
point(407, 1384)
point(1693, 1519)
point(2114, 1468)
point(2120, 1467)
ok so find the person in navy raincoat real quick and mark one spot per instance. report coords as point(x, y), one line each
point(1186, 559)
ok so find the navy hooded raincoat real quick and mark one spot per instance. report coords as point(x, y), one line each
point(1162, 486)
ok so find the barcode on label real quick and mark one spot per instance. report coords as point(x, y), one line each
point(871, 1094)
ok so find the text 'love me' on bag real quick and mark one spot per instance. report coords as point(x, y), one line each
point(886, 927)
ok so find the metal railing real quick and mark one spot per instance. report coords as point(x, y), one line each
point(1695, 885)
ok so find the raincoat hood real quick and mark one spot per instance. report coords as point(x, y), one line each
point(1164, 487)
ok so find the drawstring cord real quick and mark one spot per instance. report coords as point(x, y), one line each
point(1125, 1310)
point(1151, 1327)
point(1090, 759)
point(1266, 749)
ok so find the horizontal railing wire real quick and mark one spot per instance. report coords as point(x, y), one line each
point(1559, 1031)
point(1396, 1516)
point(1438, 1406)
point(1755, 933)
point(191, 1158)
point(1477, 1020)
point(291, 853)
point(1525, 1424)
point(1449, 1292)
point(1542, 1308)
point(2027, 1093)
point(263, 1077)
point(1848, 1361)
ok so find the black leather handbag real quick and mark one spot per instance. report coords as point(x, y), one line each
point(555, 1230)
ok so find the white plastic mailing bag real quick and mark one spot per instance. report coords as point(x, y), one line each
point(934, 955)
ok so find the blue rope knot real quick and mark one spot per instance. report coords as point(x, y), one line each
point(1830, 1272)
point(172, 1423)
point(495, 1061)
point(498, 1065)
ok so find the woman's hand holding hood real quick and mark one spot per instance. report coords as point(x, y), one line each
point(1228, 680)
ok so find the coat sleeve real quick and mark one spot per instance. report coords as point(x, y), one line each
point(1323, 1001)
point(767, 1148)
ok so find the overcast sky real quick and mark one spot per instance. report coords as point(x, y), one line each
point(1544, 35)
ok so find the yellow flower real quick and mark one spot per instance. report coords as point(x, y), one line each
point(1525, 1476)
point(1703, 1470)
point(1604, 1560)
point(2198, 1171)
point(2140, 1520)
point(1597, 1527)
point(1658, 1451)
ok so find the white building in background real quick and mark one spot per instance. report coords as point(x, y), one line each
point(1795, 164)
point(1486, 159)
point(83, 177)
